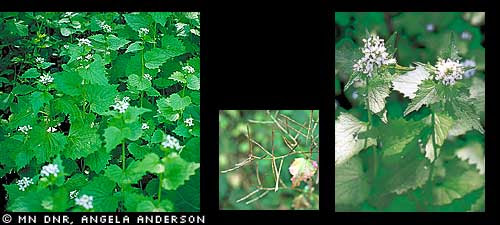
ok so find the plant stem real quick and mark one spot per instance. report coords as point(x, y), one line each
point(123, 155)
point(159, 188)
point(375, 157)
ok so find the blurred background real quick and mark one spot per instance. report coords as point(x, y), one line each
point(234, 148)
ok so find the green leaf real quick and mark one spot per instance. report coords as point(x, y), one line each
point(149, 206)
point(98, 160)
point(187, 196)
point(177, 171)
point(116, 43)
point(82, 141)
point(137, 21)
point(451, 51)
point(347, 143)
point(178, 76)
point(397, 134)
point(426, 95)
point(38, 99)
point(138, 151)
point(442, 125)
point(136, 46)
point(132, 114)
point(390, 44)
point(161, 18)
point(182, 130)
point(177, 102)
point(464, 114)
point(408, 83)
point(30, 201)
point(101, 189)
point(69, 83)
point(100, 97)
point(31, 73)
point(155, 58)
point(193, 82)
point(113, 137)
point(378, 88)
point(351, 183)
point(473, 153)
point(129, 176)
point(22, 89)
point(158, 136)
point(96, 73)
point(345, 57)
point(137, 83)
point(191, 151)
point(46, 144)
point(150, 163)
point(172, 46)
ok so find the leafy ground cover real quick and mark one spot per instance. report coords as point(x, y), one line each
point(409, 118)
point(100, 111)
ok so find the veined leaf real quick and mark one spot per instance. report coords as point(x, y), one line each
point(177, 171)
point(426, 95)
point(442, 125)
point(347, 143)
point(351, 183)
point(408, 83)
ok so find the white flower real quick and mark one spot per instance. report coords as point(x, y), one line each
point(51, 129)
point(73, 194)
point(375, 55)
point(171, 142)
point(180, 26)
point(25, 129)
point(429, 27)
point(143, 32)
point(85, 201)
point(189, 122)
point(188, 69)
point(466, 35)
point(88, 57)
point(84, 41)
point(24, 183)
point(148, 77)
point(121, 105)
point(39, 60)
point(145, 126)
point(49, 169)
point(449, 71)
point(105, 27)
point(469, 63)
point(46, 78)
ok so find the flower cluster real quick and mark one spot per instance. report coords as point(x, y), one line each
point(51, 129)
point(105, 27)
point(46, 79)
point(148, 77)
point(171, 142)
point(85, 201)
point(39, 60)
point(84, 41)
point(25, 129)
point(121, 105)
point(375, 55)
point(49, 169)
point(143, 32)
point(449, 71)
point(145, 126)
point(73, 194)
point(188, 69)
point(24, 183)
point(189, 122)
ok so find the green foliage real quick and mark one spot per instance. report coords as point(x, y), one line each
point(424, 150)
point(86, 100)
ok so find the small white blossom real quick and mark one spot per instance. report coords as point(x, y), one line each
point(24, 183)
point(430, 27)
point(85, 201)
point(188, 69)
point(51, 129)
point(195, 32)
point(449, 71)
point(49, 169)
point(466, 35)
point(88, 57)
point(375, 55)
point(121, 105)
point(145, 126)
point(180, 26)
point(73, 194)
point(171, 142)
point(39, 60)
point(189, 122)
point(143, 31)
point(46, 78)
point(84, 41)
point(105, 27)
point(25, 129)
point(148, 77)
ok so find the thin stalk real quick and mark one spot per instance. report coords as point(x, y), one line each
point(123, 155)
point(159, 187)
point(375, 157)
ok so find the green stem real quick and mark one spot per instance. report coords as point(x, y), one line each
point(123, 155)
point(159, 188)
point(375, 157)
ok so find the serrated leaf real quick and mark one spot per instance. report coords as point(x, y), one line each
point(150, 163)
point(82, 141)
point(347, 143)
point(178, 76)
point(397, 134)
point(149, 206)
point(345, 57)
point(38, 99)
point(177, 102)
point(181, 130)
point(408, 171)
point(96, 73)
point(138, 151)
point(136, 46)
point(191, 151)
point(426, 95)
point(69, 83)
point(161, 18)
point(177, 171)
point(101, 189)
point(378, 89)
point(172, 46)
point(473, 153)
point(465, 115)
point(451, 51)
point(442, 125)
point(112, 137)
point(31, 73)
point(137, 21)
point(22, 89)
point(100, 97)
point(116, 43)
point(408, 83)
point(98, 160)
point(46, 144)
point(129, 176)
point(137, 83)
point(456, 186)
point(193, 82)
point(187, 196)
point(351, 183)
point(155, 58)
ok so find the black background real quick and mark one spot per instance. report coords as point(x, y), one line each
point(279, 55)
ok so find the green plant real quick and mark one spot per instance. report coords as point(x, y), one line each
point(426, 155)
point(100, 111)
point(279, 149)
